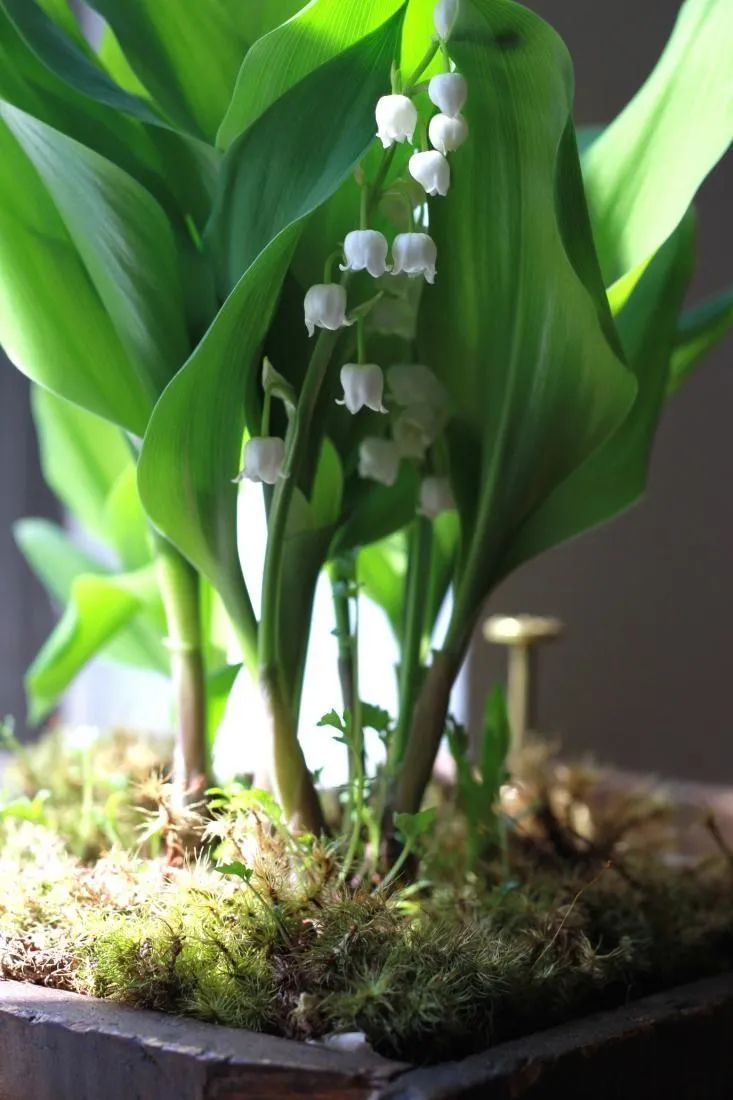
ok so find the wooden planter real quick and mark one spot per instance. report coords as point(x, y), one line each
point(60, 1046)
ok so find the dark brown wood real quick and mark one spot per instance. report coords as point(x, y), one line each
point(59, 1046)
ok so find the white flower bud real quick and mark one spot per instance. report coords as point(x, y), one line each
point(415, 429)
point(447, 134)
point(396, 119)
point(414, 384)
point(432, 172)
point(325, 307)
point(415, 254)
point(449, 92)
point(366, 250)
point(263, 460)
point(363, 387)
point(436, 497)
point(379, 460)
point(445, 15)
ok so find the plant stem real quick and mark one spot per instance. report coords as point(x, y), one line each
point(293, 782)
point(412, 639)
point(179, 587)
point(341, 573)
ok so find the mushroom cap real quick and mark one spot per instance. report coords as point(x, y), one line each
point(521, 630)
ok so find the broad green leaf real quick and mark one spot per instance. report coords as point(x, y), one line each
point(82, 457)
point(188, 462)
point(699, 331)
point(58, 562)
point(644, 170)
point(496, 742)
point(381, 570)
point(219, 685)
point(125, 521)
point(187, 53)
point(71, 61)
point(541, 383)
point(122, 252)
point(99, 608)
point(124, 241)
point(372, 512)
point(53, 323)
point(275, 64)
point(266, 183)
point(615, 476)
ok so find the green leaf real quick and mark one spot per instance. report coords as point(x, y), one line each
point(72, 61)
point(496, 742)
point(188, 462)
point(98, 609)
point(124, 241)
point(82, 457)
point(92, 301)
point(541, 382)
point(321, 31)
point(125, 521)
point(267, 185)
point(410, 827)
point(333, 720)
point(699, 331)
point(187, 53)
point(58, 563)
point(372, 512)
point(219, 685)
point(644, 170)
point(381, 571)
point(239, 870)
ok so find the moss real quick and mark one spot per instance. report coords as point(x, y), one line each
point(560, 923)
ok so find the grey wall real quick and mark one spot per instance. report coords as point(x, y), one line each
point(643, 677)
point(25, 613)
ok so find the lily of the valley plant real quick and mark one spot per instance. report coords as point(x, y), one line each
point(349, 251)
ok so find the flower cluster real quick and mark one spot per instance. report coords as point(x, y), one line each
point(419, 399)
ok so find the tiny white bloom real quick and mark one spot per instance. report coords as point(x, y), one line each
point(415, 254)
point(379, 460)
point(414, 384)
point(393, 317)
point(396, 119)
point(366, 250)
point(449, 92)
point(432, 172)
point(436, 497)
point(446, 13)
point(325, 307)
point(363, 387)
point(415, 429)
point(263, 460)
point(447, 134)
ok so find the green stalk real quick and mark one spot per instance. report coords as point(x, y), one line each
point(418, 573)
point(179, 587)
point(341, 574)
point(293, 782)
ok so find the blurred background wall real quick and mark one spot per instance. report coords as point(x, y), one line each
point(642, 677)
point(644, 674)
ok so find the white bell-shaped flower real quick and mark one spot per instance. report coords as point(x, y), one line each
point(379, 460)
point(415, 254)
point(415, 429)
point(325, 307)
point(432, 172)
point(413, 384)
point(436, 497)
point(449, 92)
point(363, 387)
point(396, 119)
point(263, 460)
point(447, 134)
point(366, 250)
point(445, 15)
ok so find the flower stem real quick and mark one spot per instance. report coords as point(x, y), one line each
point(179, 586)
point(293, 783)
point(414, 627)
